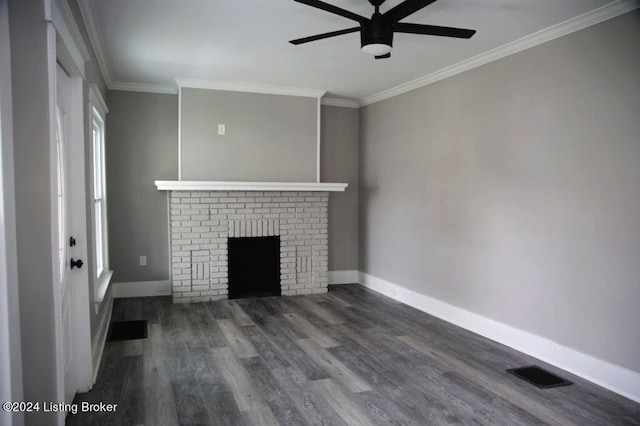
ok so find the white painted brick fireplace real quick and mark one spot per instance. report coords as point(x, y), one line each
point(201, 221)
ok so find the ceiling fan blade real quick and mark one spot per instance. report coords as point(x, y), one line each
point(325, 35)
point(388, 55)
point(433, 30)
point(405, 9)
point(333, 9)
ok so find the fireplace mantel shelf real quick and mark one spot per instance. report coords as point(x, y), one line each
point(191, 185)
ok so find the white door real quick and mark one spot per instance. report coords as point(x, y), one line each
point(68, 263)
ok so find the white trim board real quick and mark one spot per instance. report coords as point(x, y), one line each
point(179, 133)
point(97, 101)
point(187, 185)
point(343, 277)
point(610, 376)
point(318, 137)
point(340, 102)
point(585, 20)
point(141, 289)
point(68, 31)
point(143, 87)
point(238, 86)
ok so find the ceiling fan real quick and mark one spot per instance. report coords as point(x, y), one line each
point(376, 34)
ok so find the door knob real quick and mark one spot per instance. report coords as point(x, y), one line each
point(72, 241)
point(76, 263)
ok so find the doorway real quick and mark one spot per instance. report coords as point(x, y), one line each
point(71, 277)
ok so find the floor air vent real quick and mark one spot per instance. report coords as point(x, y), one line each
point(127, 330)
point(539, 377)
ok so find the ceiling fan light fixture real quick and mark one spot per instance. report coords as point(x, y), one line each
point(376, 33)
point(376, 49)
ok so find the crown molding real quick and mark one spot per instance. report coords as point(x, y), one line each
point(95, 38)
point(143, 87)
point(585, 20)
point(340, 102)
point(235, 86)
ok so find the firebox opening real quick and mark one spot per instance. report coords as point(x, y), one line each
point(254, 267)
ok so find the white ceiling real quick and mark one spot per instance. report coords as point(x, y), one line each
point(150, 42)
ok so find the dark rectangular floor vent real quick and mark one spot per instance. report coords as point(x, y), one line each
point(127, 330)
point(539, 377)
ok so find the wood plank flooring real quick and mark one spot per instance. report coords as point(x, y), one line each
point(348, 357)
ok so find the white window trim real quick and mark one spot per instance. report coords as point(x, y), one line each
point(98, 107)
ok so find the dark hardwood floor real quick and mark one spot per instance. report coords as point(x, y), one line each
point(348, 357)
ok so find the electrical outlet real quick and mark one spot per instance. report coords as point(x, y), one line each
point(222, 129)
point(143, 260)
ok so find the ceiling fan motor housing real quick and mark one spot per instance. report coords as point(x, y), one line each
point(376, 31)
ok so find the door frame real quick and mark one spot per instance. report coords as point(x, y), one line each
point(65, 45)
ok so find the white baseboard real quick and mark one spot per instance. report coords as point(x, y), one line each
point(142, 289)
point(343, 277)
point(610, 376)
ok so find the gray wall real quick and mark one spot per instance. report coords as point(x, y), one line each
point(33, 201)
point(339, 163)
point(268, 137)
point(511, 190)
point(10, 348)
point(142, 146)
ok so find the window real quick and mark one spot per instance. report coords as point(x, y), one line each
point(100, 238)
point(99, 202)
point(60, 195)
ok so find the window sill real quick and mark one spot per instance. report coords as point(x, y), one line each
point(103, 285)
